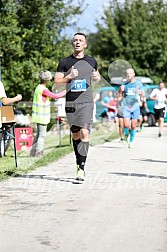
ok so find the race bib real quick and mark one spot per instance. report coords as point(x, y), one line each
point(131, 91)
point(159, 102)
point(78, 85)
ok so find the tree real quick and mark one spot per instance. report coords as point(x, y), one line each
point(135, 31)
point(30, 39)
point(10, 41)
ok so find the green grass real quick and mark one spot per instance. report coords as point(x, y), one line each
point(54, 149)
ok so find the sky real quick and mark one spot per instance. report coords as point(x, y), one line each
point(86, 22)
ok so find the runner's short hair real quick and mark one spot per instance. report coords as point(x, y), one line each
point(80, 33)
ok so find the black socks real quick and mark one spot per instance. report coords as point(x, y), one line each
point(81, 151)
point(75, 146)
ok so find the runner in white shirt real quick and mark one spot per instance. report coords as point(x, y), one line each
point(2, 91)
point(3, 97)
point(160, 97)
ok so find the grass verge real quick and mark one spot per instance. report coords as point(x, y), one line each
point(54, 149)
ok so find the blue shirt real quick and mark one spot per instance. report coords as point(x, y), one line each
point(131, 97)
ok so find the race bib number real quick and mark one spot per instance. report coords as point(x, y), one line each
point(159, 102)
point(131, 91)
point(78, 85)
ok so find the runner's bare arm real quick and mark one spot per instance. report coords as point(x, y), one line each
point(7, 100)
point(121, 90)
point(60, 78)
point(95, 75)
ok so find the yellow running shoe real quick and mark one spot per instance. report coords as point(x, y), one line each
point(80, 174)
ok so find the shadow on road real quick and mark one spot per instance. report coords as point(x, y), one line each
point(137, 175)
point(46, 177)
point(151, 160)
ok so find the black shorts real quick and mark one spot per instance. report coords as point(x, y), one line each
point(119, 116)
point(79, 115)
point(159, 113)
point(143, 112)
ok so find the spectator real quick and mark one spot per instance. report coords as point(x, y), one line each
point(41, 111)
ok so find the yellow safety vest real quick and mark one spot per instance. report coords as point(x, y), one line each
point(40, 109)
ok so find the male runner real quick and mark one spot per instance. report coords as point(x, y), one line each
point(77, 71)
point(131, 90)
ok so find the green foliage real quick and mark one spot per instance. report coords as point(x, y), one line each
point(30, 40)
point(135, 31)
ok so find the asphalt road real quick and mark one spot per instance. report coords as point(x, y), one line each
point(121, 206)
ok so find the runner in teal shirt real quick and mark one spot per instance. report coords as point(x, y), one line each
point(131, 91)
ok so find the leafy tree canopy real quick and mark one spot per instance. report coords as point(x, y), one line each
point(135, 31)
point(31, 40)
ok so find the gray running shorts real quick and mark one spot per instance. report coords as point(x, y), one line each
point(79, 115)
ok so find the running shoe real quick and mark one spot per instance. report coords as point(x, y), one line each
point(141, 128)
point(131, 145)
point(80, 174)
point(125, 140)
point(159, 134)
point(138, 129)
